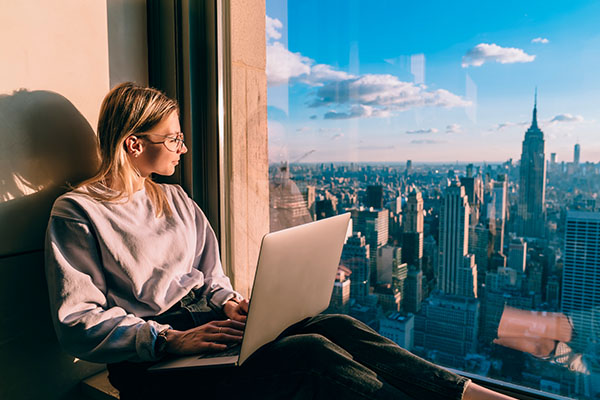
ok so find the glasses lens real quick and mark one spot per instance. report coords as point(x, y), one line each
point(173, 144)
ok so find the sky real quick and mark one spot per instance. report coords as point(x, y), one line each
point(364, 81)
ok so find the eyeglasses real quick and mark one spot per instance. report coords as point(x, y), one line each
point(173, 142)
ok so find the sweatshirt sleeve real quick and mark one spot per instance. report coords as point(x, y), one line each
point(217, 286)
point(86, 327)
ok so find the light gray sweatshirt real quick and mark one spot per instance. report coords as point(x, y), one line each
point(110, 263)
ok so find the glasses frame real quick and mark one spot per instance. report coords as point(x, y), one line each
point(179, 140)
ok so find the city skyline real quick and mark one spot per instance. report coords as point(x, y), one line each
point(458, 86)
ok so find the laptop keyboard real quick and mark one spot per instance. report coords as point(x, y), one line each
point(231, 351)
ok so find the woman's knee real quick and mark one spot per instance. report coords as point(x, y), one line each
point(307, 351)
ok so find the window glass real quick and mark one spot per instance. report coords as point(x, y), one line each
point(461, 136)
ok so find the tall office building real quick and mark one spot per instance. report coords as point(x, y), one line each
point(500, 199)
point(310, 196)
point(581, 274)
point(532, 182)
point(356, 257)
point(447, 328)
point(456, 272)
point(481, 246)
point(340, 296)
point(373, 224)
point(408, 170)
point(517, 254)
point(474, 190)
point(576, 152)
point(374, 196)
point(413, 291)
point(412, 238)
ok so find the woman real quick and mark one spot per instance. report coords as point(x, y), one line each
point(134, 274)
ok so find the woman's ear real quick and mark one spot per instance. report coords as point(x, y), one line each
point(134, 146)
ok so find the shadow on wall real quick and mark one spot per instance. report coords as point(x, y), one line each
point(45, 145)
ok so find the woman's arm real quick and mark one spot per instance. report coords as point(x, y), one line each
point(85, 324)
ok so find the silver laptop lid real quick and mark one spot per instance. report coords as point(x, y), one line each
point(294, 278)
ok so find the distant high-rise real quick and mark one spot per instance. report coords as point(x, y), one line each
point(532, 182)
point(340, 297)
point(408, 170)
point(356, 257)
point(576, 152)
point(412, 238)
point(374, 196)
point(413, 212)
point(374, 225)
point(517, 254)
point(413, 291)
point(457, 274)
point(448, 325)
point(500, 198)
point(474, 190)
point(552, 158)
point(581, 274)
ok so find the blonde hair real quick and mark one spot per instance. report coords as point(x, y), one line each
point(128, 109)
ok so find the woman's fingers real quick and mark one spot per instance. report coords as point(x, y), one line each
point(230, 323)
point(213, 346)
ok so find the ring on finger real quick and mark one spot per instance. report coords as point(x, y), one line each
point(220, 330)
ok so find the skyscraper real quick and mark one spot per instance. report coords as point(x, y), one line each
point(532, 182)
point(581, 274)
point(576, 152)
point(457, 274)
point(412, 238)
point(517, 254)
point(356, 256)
point(500, 191)
point(373, 224)
point(374, 196)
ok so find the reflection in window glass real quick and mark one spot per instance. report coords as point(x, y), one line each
point(462, 139)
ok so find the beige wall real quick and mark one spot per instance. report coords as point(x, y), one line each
point(54, 73)
point(249, 185)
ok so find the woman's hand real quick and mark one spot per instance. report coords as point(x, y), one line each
point(236, 311)
point(213, 336)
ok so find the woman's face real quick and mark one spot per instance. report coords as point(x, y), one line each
point(155, 157)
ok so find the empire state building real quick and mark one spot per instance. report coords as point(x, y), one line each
point(532, 182)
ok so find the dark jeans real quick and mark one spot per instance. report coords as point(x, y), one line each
point(325, 357)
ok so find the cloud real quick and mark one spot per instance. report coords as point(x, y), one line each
point(508, 124)
point(282, 64)
point(485, 52)
point(273, 25)
point(329, 130)
point(357, 111)
point(425, 141)
point(369, 95)
point(321, 73)
point(338, 136)
point(385, 93)
point(540, 40)
point(453, 128)
point(304, 129)
point(422, 131)
point(375, 147)
point(567, 118)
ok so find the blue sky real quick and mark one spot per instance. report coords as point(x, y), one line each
point(431, 80)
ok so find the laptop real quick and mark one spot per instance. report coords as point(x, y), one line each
point(293, 281)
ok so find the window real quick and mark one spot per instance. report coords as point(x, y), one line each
point(460, 135)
